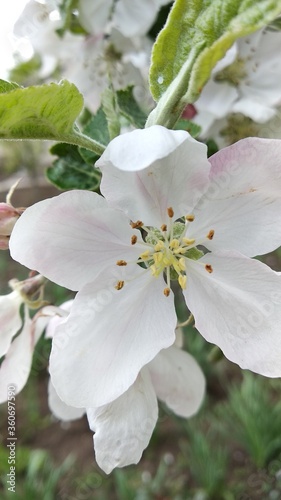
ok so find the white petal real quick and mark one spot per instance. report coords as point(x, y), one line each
point(238, 308)
point(124, 427)
point(71, 238)
point(109, 336)
point(134, 18)
point(59, 409)
point(93, 16)
point(59, 315)
point(243, 202)
point(178, 381)
point(147, 171)
point(10, 319)
point(16, 366)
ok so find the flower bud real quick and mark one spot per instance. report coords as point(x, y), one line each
point(8, 217)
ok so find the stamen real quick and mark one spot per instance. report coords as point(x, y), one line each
point(182, 264)
point(190, 217)
point(164, 228)
point(159, 246)
point(145, 255)
point(121, 263)
point(158, 257)
point(210, 234)
point(134, 239)
point(166, 292)
point(136, 224)
point(209, 268)
point(170, 212)
point(182, 281)
point(188, 242)
point(174, 244)
point(119, 285)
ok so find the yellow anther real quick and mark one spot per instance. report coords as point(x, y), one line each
point(167, 261)
point(179, 250)
point(119, 285)
point(145, 255)
point(182, 281)
point(174, 243)
point(190, 217)
point(182, 264)
point(170, 212)
point(158, 257)
point(188, 242)
point(166, 292)
point(159, 246)
point(134, 239)
point(155, 271)
point(210, 234)
point(209, 268)
point(121, 263)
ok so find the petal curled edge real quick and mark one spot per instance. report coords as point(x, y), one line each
point(238, 307)
point(71, 238)
point(59, 409)
point(124, 427)
point(147, 171)
point(109, 336)
point(10, 319)
point(243, 202)
point(178, 381)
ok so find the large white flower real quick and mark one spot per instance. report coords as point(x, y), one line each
point(123, 315)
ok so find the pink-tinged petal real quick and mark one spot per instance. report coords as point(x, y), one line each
point(237, 306)
point(71, 238)
point(243, 202)
point(10, 320)
point(124, 427)
point(178, 381)
point(16, 366)
point(59, 409)
point(109, 336)
point(147, 171)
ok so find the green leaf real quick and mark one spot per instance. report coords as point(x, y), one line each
point(196, 36)
point(189, 126)
point(96, 128)
point(129, 107)
point(7, 86)
point(26, 70)
point(70, 171)
point(45, 112)
point(69, 17)
point(109, 105)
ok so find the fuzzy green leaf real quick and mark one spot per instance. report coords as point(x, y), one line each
point(45, 112)
point(70, 171)
point(197, 35)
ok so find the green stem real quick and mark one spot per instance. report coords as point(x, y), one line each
point(84, 142)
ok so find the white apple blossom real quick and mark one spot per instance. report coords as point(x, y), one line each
point(91, 62)
point(123, 315)
point(247, 82)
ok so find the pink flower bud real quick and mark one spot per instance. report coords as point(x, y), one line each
point(8, 217)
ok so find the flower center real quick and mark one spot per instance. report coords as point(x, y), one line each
point(167, 250)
